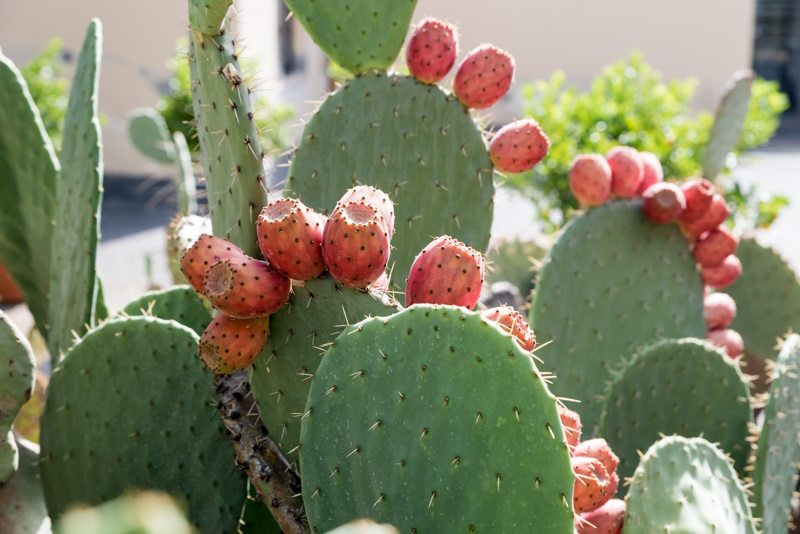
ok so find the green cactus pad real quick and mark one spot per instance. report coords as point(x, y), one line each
point(21, 501)
point(179, 303)
point(129, 408)
point(228, 135)
point(686, 485)
point(411, 140)
point(359, 35)
point(774, 478)
point(101, 312)
point(299, 334)
point(728, 123)
point(612, 284)
point(28, 173)
point(515, 262)
point(184, 177)
point(149, 133)
point(685, 387)
point(208, 16)
point(77, 212)
point(433, 420)
point(9, 456)
point(767, 296)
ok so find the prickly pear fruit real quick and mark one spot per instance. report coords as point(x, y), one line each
point(519, 146)
point(714, 246)
point(590, 179)
point(290, 238)
point(483, 77)
point(698, 193)
point(598, 449)
point(571, 422)
point(245, 288)
point(375, 198)
point(627, 171)
point(604, 520)
point(727, 339)
point(432, 50)
point(202, 254)
point(720, 310)
point(446, 272)
point(715, 215)
point(724, 274)
point(229, 345)
point(355, 244)
point(593, 485)
point(510, 321)
point(663, 203)
point(653, 171)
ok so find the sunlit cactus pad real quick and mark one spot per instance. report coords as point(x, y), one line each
point(179, 303)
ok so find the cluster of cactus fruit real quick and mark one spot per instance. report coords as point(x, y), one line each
point(425, 411)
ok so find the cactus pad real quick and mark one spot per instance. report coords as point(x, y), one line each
point(433, 420)
point(686, 485)
point(208, 16)
point(281, 376)
point(774, 478)
point(21, 501)
point(612, 284)
point(412, 141)
point(728, 123)
point(184, 177)
point(179, 303)
point(129, 408)
point(149, 133)
point(685, 387)
point(357, 34)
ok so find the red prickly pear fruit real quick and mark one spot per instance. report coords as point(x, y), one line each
point(446, 272)
point(355, 244)
point(202, 254)
point(598, 449)
point(727, 339)
point(245, 288)
point(510, 321)
point(724, 274)
point(483, 77)
point(663, 203)
point(604, 520)
point(714, 216)
point(714, 246)
point(627, 171)
point(571, 422)
point(593, 485)
point(720, 310)
point(229, 345)
point(698, 193)
point(375, 198)
point(590, 179)
point(653, 171)
point(432, 50)
point(290, 238)
point(519, 146)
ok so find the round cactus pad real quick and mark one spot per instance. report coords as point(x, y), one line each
point(685, 387)
point(686, 485)
point(414, 142)
point(612, 283)
point(21, 501)
point(433, 421)
point(129, 408)
point(179, 303)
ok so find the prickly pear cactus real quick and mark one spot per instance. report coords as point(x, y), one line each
point(433, 421)
point(149, 133)
point(184, 178)
point(728, 123)
point(21, 500)
point(208, 16)
point(179, 303)
point(612, 284)
point(516, 262)
point(686, 485)
point(677, 386)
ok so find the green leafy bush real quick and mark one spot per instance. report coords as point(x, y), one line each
point(45, 78)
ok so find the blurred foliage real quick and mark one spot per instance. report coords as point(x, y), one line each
point(45, 78)
point(629, 104)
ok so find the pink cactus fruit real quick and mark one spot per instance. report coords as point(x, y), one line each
point(598, 449)
point(590, 179)
point(571, 422)
point(653, 171)
point(604, 520)
point(727, 339)
point(290, 238)
point(724, 274)
point(229, 345)
point(519, 146)
point(720, 310)
point(715, 215)
point(698, 193)
point(355, 244)
point(245, 288)
point(510, 321)
point(593, 485)
point(714, 246)
point(663, 203)
point(483, 77)
point(627, 171)
point(202, 254)
point(375, 198)
point(431, 50)
point(446, 272)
